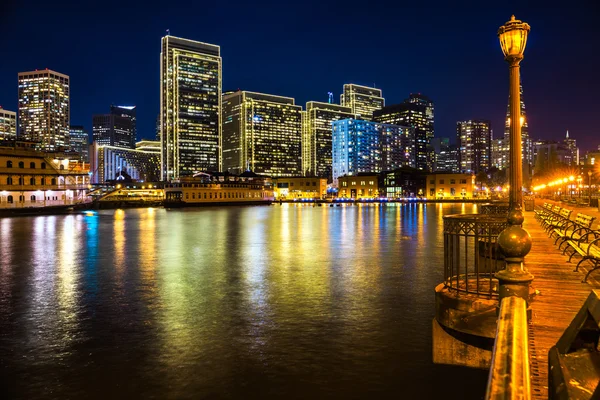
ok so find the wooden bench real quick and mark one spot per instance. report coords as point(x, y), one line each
point(588, 247)
point(581, 202)
point(543, 210)
point(553, 222)
point(572, 229)
point(550, 214)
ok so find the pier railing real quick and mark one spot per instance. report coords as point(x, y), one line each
point(495, 209)
point(471, 255)
point(509, 374)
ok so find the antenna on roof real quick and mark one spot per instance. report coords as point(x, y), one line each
point(330, 100)
point(168, 32)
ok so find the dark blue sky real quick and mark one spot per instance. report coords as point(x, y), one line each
point(446, 50)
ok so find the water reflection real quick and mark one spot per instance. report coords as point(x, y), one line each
point(282, 301)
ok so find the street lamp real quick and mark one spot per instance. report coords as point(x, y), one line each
point(514, 241)
point(513, 38)
point(590, 188)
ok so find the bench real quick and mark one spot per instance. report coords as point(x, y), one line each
point(553, 222)
point(581, 202)
point(572, 229)
point(551, 213)
point(543, 210)
point(588, 247)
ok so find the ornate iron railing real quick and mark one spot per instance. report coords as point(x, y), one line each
point(495, 209)
point(471, 256)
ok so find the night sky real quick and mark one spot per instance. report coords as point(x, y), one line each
point(304, 49)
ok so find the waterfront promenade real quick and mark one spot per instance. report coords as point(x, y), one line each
point(559, 294)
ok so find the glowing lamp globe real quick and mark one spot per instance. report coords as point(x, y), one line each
point(513, 38)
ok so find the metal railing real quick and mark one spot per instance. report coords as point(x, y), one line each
point(471, 256)
point(495, 209)
point(509, 373)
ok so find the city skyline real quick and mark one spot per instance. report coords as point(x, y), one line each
point(271, 67)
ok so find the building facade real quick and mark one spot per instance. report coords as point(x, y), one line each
point(450, 186)
point(79, 140)
point(111, 163)
point(30, 178)
point(361, 186)
point(8, 125)
point(190, 104)
point(362, 100)
point(262, 133)
point(117, 128)
point(571, 144)
point(44, 109)
point(403, 183)
point(415, 112)
point(316, 137)
point(360, 146)
point(300, 187)
point(474, 139)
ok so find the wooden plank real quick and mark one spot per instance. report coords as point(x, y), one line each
point(559, 296)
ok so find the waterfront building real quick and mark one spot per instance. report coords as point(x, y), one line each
point(111, 163)
point(316, 137)
point(362, 100)
point(219, 188)
point(79, 140)
point(261, 133)
point(402, 183)
point(500, 152)
point(44, 100)
point(300, 187)
point(450, 186)
point(417, 112)
point(360, 186)
point(190, 107)
point(117, 128)
point(30, 178)
point(474, 139)
point(8, 125)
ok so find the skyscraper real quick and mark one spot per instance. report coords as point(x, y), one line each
point(117, 128)
point(362, 100)
point(526, 142)
point(474, 139)
point(8, 125)
point(417, 112)
point(571, 144)
point(44, 108)
point(190, 104)
point(263, 133)
point(316, 138)
point(79, 140)
point(366, 146)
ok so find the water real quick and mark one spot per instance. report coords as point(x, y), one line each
point(260, 302)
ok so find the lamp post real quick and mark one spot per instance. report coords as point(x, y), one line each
point(590, 188)
point(514, 241)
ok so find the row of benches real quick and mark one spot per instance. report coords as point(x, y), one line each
point(577, 236)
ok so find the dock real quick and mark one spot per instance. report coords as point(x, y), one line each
point(560, 294)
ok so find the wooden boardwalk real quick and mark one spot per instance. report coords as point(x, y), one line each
point(560, 295)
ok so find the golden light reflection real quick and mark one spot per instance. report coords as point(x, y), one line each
point(119, 242)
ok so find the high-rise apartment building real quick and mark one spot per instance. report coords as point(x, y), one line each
point(8, 125)
point(474, 139)
point(417, 112)
point(79, 140)
point(316, 137)
point(261, 133)
point(190, 105)
point(362, 100)
point(117, 128)
point(365, 146)
point(44, 100)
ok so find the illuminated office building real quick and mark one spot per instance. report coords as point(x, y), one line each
point(362, 100)
point(118, 128)
point(500, 152)
point(79, 140)
point(573, 157)
point(416, 112)
point(44, 109)
point(474, 139)
point(8, 125)
point(316, 137)
point(364, 146)
point(526, 142)
point(261, 133)
point(190, 105)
